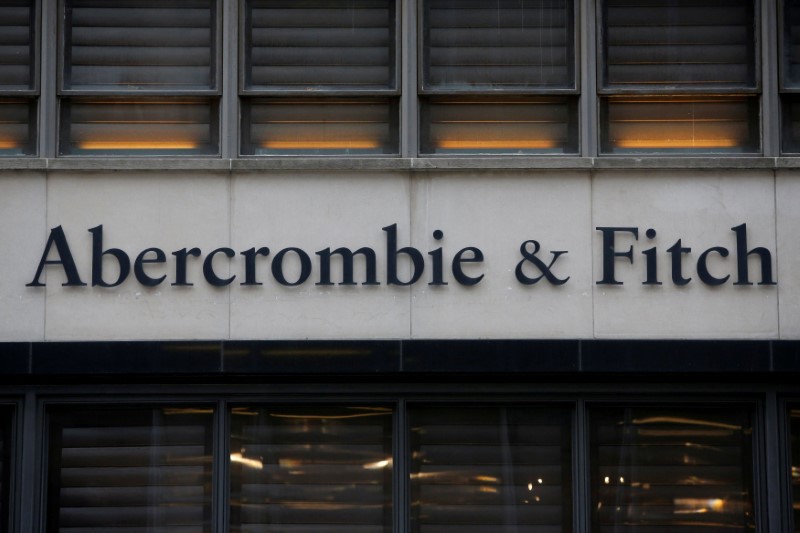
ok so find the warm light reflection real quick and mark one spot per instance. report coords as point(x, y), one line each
point(377, 465)
point(138, 145)
point(462, 144)
point(491, 490)
point(321, 145)
point(683, 420)
point(487, 479)
point(698, 505)
point(328, 417)
point(677, 143)
point(8, 145)
point(188, 411)
point(250, 463)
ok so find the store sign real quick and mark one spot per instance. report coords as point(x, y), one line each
point(293, 266)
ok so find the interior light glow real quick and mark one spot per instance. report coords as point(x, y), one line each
point(487, 479)
point(137, 145)
point(699, 505)
point(514, 144)
point(250, 463)
point(377, 465)
point(8, 145)
point(677, 143)
point(683, 420)
point(322, 145)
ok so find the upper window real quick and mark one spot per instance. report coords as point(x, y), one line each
point(678, 76)
point(18, 77)
point(318, 77)
point(498, 77)
point(139, 77)
point(790, 76)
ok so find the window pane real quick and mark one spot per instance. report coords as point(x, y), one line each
point(6, 464)
point(790, 67)
point(686, 469)
point(319, 127)
point(675, 124)
point(790, 123)
point(17, 126)
point(794, 431)
point(545, 125)
point(330, 44)
point(680, 43)
point(16, 44)
point(311, 469)
point(492, 469)
point(139, 45)
point(498, 44)
point(111, 127)
point(148, 469)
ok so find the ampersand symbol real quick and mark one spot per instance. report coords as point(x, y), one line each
point(530, 256)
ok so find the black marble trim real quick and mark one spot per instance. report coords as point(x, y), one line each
point(399, 358)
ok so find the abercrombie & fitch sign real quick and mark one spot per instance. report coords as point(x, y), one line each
point(292, 266)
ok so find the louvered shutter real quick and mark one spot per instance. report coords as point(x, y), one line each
point(316, 44)
point(313, 469)
point(16, 45)
point(491, 469)
point(672, 469)
point(131, 470)
point(687, 45)
point(139, 45)
point(498, 44)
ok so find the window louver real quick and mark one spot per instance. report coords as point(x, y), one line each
point(490, 470)
point(142, 45)
point(669, 470)
point(302, 44)
point(142, 470)
point(664, 45)
point(505, 44)
point(16, 45)
point(311, 470)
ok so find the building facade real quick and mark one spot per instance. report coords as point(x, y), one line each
point(399, 266)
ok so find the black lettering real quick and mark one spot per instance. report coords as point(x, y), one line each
point(208, 268)
point(305, 267)
point(347, 266)
point(250, 264)
point(141, 260)
point(742, 255)
point(458, 271)
point(180, 265)
point(65, 259)
point(97, 260)
point(391, 259)
point(610, 253)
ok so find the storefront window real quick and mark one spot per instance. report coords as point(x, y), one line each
point(491, 469)
point(671, 469)
point(6, 464)
point(315, 469)
point(148, 469)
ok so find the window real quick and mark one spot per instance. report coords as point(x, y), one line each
point(794, 471)
point(325, 469)
point(668, 468)
point(147, 468)
point(6, 465)
point(498, 77)
point(139, 77)
point(482, 469)
point(790, 77)
point(678, 77)
point(319, 77)
point(18, 78)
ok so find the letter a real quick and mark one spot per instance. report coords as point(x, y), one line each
point(58, 238)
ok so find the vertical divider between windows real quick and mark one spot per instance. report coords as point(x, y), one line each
point(409, 102)
point(48, 51)
point(220, 472)
point(400, 487)
point(227, 70)
point(767, 473)
point(780, 464)
point(580, 463)
point(587, 68)
point(770, 97)
point(29, 451)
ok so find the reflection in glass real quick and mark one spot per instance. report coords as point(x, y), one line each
point(656, 468)
point(491, 469)
point(313, 469)
point(148, 469)
point(6, 466)
point(794, 431)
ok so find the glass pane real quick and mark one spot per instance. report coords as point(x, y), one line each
point(790, 141)
point(703, 124)
point(17, 126)
point(794, 431)
point(147, 469)
point(679, 43)
point(687, 469)
point(6, 464)
point(139, 45)
point(16, 44)
point(320, 127)
point(312, 469)
point(330, 44)
point(499, 126)
point(498, 44)
point(492, 469)
point(110, 127)
point(790, 62)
